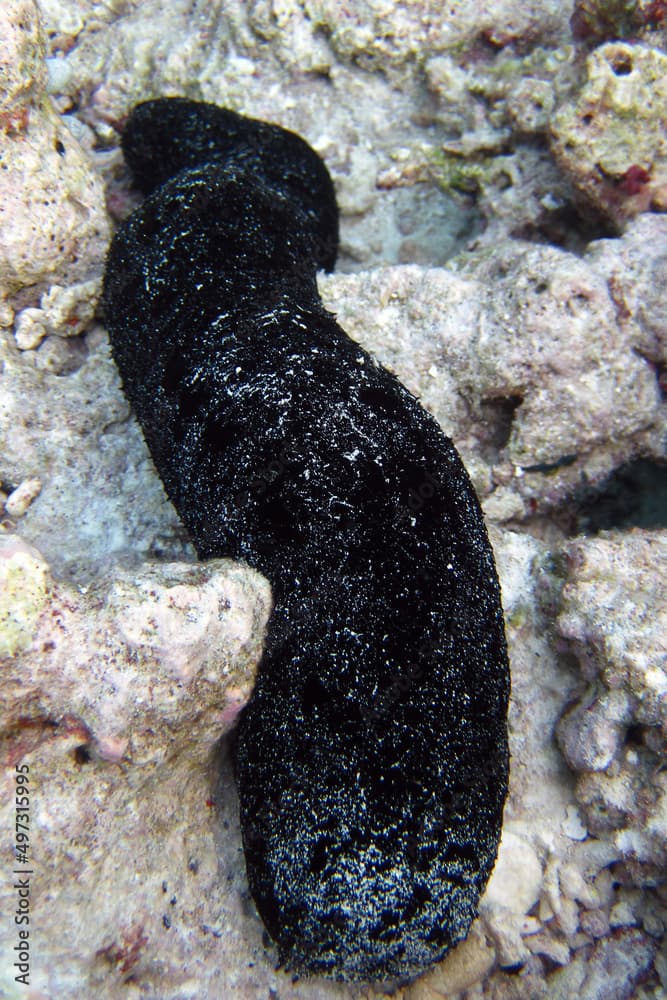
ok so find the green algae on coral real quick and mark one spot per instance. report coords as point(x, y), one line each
point(612, 140)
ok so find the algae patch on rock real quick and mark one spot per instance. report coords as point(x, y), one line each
point(612, 140)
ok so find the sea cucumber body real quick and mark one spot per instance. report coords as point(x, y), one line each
point(372, 758)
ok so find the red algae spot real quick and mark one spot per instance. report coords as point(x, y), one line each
point(634, 179)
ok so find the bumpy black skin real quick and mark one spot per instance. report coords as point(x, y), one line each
point(372, 759)
point(163, 137)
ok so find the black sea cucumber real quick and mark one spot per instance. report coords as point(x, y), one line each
point(372, 759)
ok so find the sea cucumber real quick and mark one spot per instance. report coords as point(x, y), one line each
point(372, 759)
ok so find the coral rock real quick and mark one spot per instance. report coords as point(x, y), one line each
point(52, 215)
point(612, 141)
point(614, 614)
